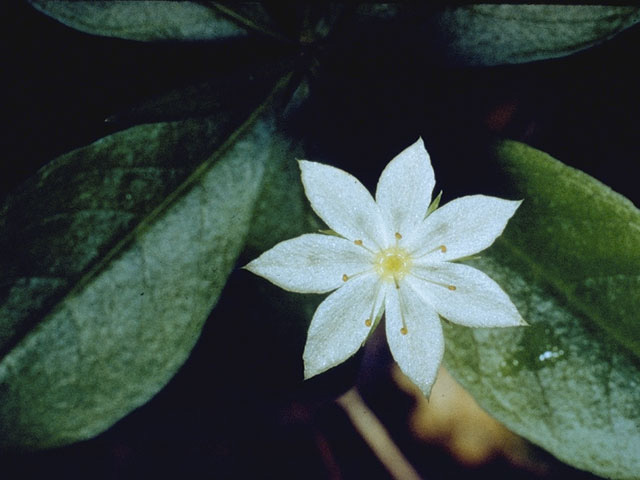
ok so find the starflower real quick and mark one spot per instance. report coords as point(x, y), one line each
point(393, 255)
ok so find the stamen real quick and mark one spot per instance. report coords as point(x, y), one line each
point(442, 248)
point(446, 285)
point(403, 330)
point(372, 316)
point(395, 280)
point(398, 236)
point(345, 277)
point(358, 242)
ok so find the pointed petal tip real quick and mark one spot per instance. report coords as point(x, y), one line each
point(311, 370)
point(426, 390)
point(515, 204)
point(426, 385)
point(304, 166)
point(254, 266)
point(418, 143)
point(517, 322)
point(249, 266)
point(417, 150)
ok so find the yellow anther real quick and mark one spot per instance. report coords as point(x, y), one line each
point(451, 287)
point(345, 277)
point(442, 248)
point(367, 322)
point(358, 242)
point(404, 330)
point(398, 236)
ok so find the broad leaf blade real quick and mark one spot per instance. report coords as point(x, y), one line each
point(139, 252)
point(583, 235)
point(220, 93)
point(282, 210)
point(81, 205)
point(143, 20)
point(476, 35)
point(570, 381)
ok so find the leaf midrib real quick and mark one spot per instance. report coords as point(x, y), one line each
point(561, 289)
point(95, 268)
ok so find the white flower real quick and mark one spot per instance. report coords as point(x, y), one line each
point(391, 256)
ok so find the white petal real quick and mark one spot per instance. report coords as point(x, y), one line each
point(311, 263)
point(477, 301)
point(338, 327)
point(405, 187)
point(465, 226)
point(419, 351)
point(344, 204)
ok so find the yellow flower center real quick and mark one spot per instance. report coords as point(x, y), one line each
point(392, 263)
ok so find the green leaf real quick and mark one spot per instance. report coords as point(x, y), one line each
point(497, 34)
point(570, 261)
point(282, 211)
point(143, 20)
point(584, 237)
point(113, 257)
point(260, 18)
point(220, 93)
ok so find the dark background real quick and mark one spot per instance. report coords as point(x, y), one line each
point(238, 407)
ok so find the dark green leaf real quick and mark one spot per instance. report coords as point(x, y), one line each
point(584, 236)
point(143, 20)
point(497, 34)
point(207, 98)
point(261, 19)
point(282, 211)
point(113, 257)
point(570, 260)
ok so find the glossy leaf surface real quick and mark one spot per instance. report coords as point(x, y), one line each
point(120, 250)
point(497, 34)
point(570, 261)
point(144, 20)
